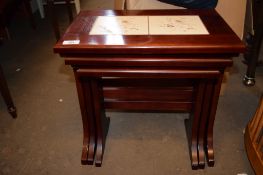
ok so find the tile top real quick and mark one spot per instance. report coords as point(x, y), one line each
point(148, 25)
point(120, 25)
point(176, 25)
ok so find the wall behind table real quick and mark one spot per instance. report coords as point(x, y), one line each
point(233, 11)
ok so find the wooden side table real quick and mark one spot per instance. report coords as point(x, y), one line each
point(149, 72)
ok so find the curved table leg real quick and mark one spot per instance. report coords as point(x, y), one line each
point(91, 123)
point(193, 126)
point(102, 123)
point(209, 150)
point(202, 123)
point(6, 95)
point(86, 106)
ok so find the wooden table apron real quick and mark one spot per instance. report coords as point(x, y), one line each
point(157, 73)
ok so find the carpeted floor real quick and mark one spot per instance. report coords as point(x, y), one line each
point(46, 137)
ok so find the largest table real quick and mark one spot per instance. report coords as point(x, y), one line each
point(181, 73)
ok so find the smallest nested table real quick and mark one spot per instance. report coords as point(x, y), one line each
point(157, 60)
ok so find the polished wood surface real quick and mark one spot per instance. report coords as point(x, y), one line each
point(221, 39)
point(152, 73)
point(254, 140)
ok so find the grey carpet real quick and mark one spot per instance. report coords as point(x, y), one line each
point(46, 137)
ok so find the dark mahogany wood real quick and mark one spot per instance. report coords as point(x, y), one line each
point(86, 103)
point(221, 39)
point(152, 73)
point(210, 123)
point(202, 124)
point(102, 123)
point(195, 117)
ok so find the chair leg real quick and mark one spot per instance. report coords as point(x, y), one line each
point(53, 17)
point(6, 94)
point(253, 55)
point(41, 8)
point(29, 13)
point(77, 6)
point(70, 14)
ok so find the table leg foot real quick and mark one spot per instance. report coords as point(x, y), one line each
point(193, 128)
point(101, 121)
point(201, 153)
point(101, 140)
point(12, 111)
point(209, 149)
point(210, 152)
point(249, 81)
point(91, 150)
point(84, 156)
point(211, 163)
point(99, 154)
point(192, 147)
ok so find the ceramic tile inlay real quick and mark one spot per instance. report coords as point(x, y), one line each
point(148, 25)
point(120, 25)
point(176, 25)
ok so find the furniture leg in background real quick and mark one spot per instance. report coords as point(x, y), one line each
point(41, 8)
point(254, 139)
point(252, 55)
point(54, 17)
point(28, 11)
point(7, 12)
point(6, 94)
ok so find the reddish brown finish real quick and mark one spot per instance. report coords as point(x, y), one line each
point(171, 73)
point(195, 117)
point(86, 103)
point(221, 39)
point(149, 94)
point(148, 61)
point(203, 121)
point(102, 123)
point(147, 73)
point(210, 123)
point(148, 105)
